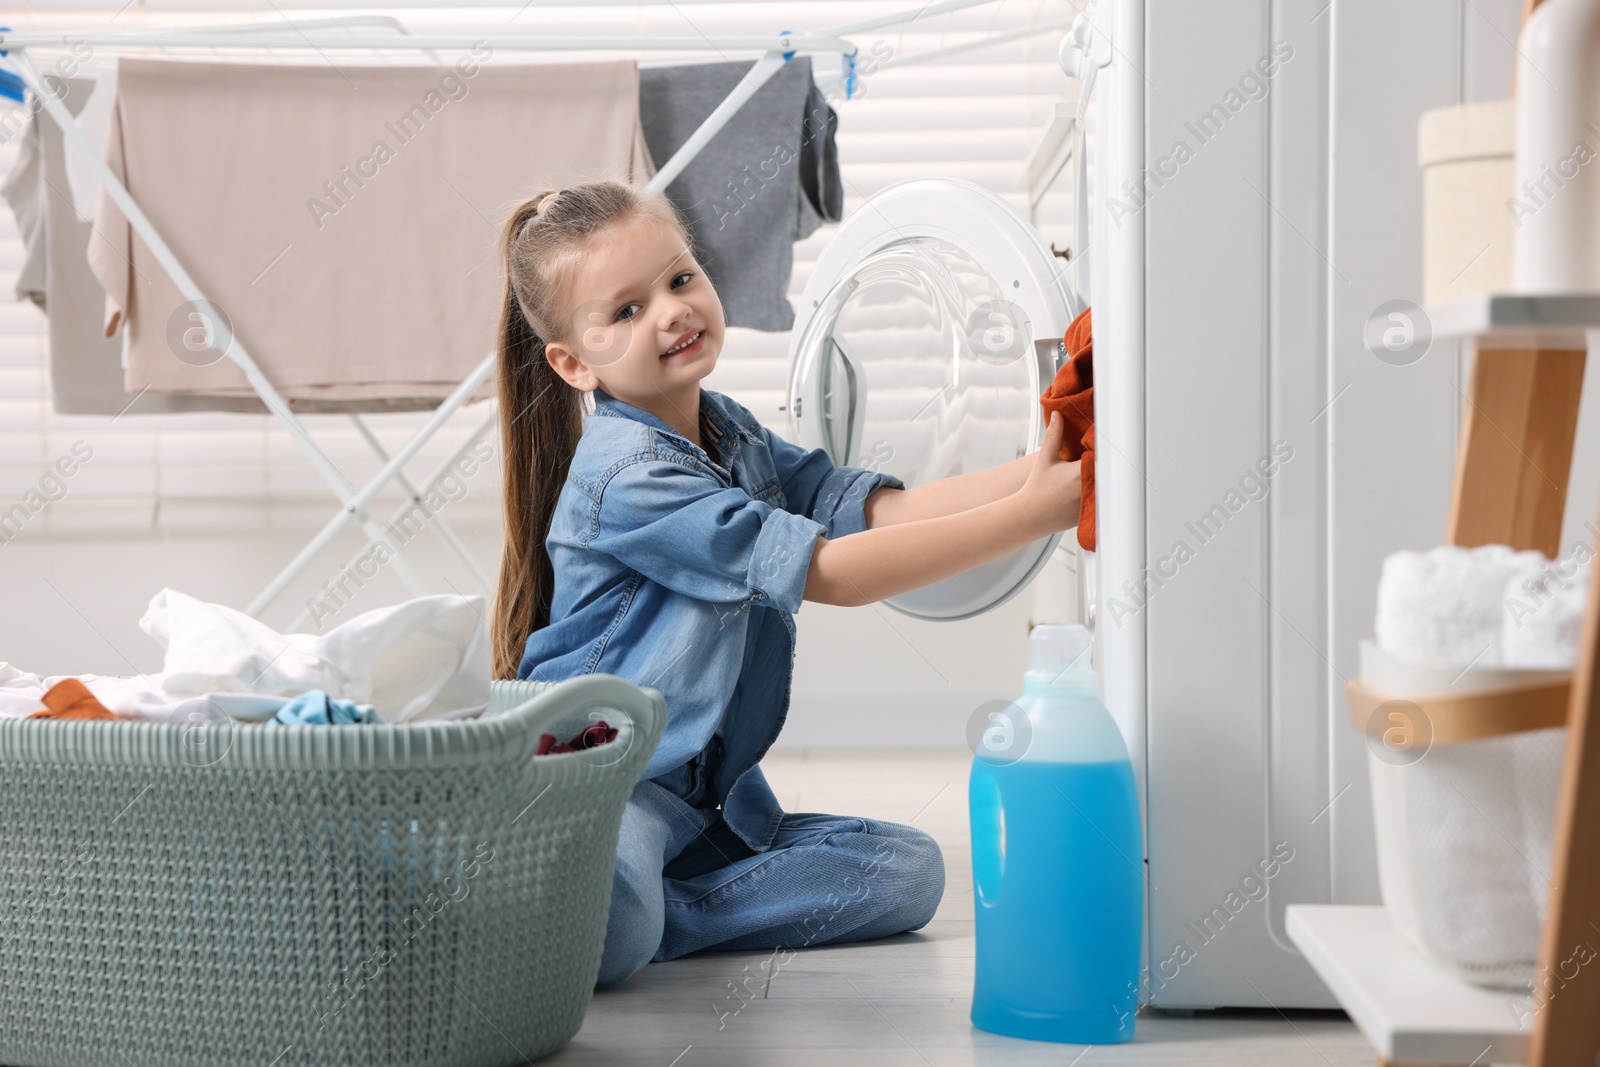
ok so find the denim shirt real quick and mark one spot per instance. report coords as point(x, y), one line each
point(683, 573)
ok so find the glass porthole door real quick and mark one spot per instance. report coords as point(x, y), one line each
point(931, 325)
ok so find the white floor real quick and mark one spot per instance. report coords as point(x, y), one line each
point(899, 1000)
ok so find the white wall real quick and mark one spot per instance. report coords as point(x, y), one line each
point(216, 505)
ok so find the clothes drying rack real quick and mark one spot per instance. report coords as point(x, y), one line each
point(292, 35)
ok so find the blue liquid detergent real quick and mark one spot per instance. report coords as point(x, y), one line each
point(1057, 859)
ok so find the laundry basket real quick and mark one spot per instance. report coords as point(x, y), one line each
point(217, 894)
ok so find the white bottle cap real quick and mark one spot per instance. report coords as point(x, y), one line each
point(1056, 650)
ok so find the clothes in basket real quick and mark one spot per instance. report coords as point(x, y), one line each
point(71, 699)
point(316, 708)
point(424, 659)
point(599, 734)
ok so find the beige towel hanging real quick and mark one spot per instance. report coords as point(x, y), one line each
point(345, 218)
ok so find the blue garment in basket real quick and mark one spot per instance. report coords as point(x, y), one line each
point(682, 573)
point(315, 708)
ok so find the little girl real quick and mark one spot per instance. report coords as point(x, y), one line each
point(669, 538)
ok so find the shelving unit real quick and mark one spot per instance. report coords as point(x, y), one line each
point(1511, 479)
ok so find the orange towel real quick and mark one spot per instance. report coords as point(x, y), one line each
point(1072, 394)
point(71, 699)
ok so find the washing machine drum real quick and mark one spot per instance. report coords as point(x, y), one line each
point(929, 328)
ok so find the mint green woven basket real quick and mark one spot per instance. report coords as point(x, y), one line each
point(218, 893)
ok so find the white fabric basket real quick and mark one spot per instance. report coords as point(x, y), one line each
point(1463, 832)
point(219, 894)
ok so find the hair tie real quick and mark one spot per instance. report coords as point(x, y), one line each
point(546, 201)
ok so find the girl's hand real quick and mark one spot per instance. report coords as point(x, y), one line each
point(1053, 493)
point(887, 560)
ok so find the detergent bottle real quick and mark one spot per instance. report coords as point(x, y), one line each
point(1057, 856)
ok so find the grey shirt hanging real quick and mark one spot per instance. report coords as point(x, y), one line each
point(768, 178)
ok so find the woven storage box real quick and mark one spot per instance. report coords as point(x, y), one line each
point(219, 894)
point(1465, 154)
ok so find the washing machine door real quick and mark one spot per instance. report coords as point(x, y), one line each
point(929, 328)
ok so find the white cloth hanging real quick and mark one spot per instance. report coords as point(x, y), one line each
point(95, 121)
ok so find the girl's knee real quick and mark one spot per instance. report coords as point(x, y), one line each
point(929, 888)
point(623, 958)
point(910, 865)
point(634, 924)
point(909, 851)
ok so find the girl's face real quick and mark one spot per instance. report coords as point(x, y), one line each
point(646, 324)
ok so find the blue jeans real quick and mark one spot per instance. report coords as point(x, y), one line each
point(685, 882)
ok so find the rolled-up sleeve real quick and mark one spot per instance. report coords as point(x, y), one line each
point(816, 487)
point(685, 530)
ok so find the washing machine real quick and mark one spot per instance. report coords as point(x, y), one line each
point(928, 329)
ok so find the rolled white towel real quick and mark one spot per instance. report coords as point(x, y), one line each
point(1446, 605)
point(1544, 615)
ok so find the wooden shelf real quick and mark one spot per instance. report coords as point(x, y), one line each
point(1513, 320)
point(1410, 1008)
point(1519, 425)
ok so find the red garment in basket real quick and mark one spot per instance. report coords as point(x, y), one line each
point(1072, 394)
point(71, 699)
point(598, 734)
